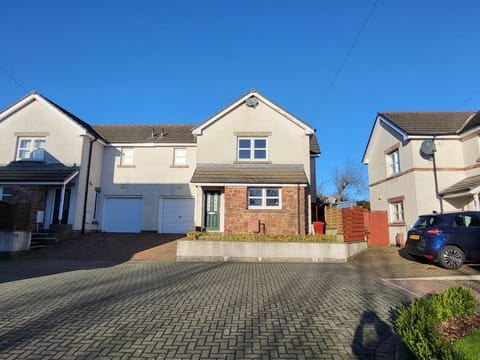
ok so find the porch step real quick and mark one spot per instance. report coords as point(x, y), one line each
point(42, 240)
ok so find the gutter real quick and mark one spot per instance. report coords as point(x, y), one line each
point(87, 181)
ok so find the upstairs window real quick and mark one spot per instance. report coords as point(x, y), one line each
point(31, 148)
point(126, 157)
point(393, 163)
point(252, 148)
point(179, 157)
point(264, 198)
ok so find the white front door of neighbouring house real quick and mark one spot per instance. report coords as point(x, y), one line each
point(122, 214)
point(177, 216)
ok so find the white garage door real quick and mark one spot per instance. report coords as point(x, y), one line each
point(122, 214)
point(177, 216)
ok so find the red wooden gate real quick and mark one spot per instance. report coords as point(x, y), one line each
point(378, 228)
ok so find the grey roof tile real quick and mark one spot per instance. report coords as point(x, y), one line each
point(32, 173)
point(136, 133)
point(249, 174)
point(464, 185)
point(433, 123)
point(314, 147)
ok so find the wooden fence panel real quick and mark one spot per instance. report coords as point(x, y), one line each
point(333, 219)
point(353, 224)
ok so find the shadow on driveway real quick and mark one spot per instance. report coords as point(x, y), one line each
point(90, 251)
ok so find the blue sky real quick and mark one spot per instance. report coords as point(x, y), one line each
point(181, 61)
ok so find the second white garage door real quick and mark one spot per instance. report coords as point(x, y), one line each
point(177, 215)
point(122, 214)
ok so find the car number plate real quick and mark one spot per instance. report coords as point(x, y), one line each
point(414, 237)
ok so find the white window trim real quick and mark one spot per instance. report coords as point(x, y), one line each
point(176, 152)
point(397, 212)
point(264, 198)
point(30, 149)
point(252, 147)
point(124, 157)
point(393, 162)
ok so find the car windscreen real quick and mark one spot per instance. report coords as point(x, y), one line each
point(426, 222)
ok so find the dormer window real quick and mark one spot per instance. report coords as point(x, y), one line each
point(252, 148)
point(31, 148)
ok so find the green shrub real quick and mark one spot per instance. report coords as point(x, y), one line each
point(417, 323)
point(197, 235)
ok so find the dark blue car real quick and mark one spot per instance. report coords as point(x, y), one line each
point(449, 239)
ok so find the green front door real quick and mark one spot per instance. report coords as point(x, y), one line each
point(212, 210)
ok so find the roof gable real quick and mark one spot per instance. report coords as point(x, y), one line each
point(255, 96)
point(433, 123)
point(82, 127)
point(405, 125)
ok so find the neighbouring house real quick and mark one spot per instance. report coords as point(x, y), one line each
point(421, 162)
point(47, 156)
point(251, 162)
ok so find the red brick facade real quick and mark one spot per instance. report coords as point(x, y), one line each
point(27, 199)
point(284, 221)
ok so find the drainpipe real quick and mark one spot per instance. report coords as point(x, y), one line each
point(436, 181)
point(84, 216)
point(298, 209)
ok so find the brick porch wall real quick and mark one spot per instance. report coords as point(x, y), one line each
point(27, 200)
point(277, 222)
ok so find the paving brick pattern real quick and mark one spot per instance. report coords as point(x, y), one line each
point(166, 310)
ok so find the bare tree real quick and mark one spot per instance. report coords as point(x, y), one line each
point(347, 180)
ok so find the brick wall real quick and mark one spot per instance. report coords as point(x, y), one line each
point(277, 222)
point(27, 200)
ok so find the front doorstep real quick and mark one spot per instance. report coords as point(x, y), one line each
point(206, 250)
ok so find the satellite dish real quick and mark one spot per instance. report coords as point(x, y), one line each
point(428, 148)
point(251, 102)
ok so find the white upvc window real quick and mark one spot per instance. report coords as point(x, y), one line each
point(252, 148)
point(179, 157)
point(126, 156)
point(31, 148)
point(264, 198)
point(5, 193)
point(393, 162)
point(396, 212)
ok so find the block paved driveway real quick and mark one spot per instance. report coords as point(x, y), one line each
point(88, 309)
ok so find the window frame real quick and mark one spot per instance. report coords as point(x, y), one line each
point(176, 152)
point(264, 197)
point(252, 148)
point(397, 212)
point(31, 148)
point(124, 157)
point(393, 162)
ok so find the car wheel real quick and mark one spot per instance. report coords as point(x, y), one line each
point(451, 257)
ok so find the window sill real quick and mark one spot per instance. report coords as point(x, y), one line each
point(397, 224)
point(126, 166)
point(393, 176)
point(252, 162)
point(179, 166)
point(264, 209)
point(30, 160)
